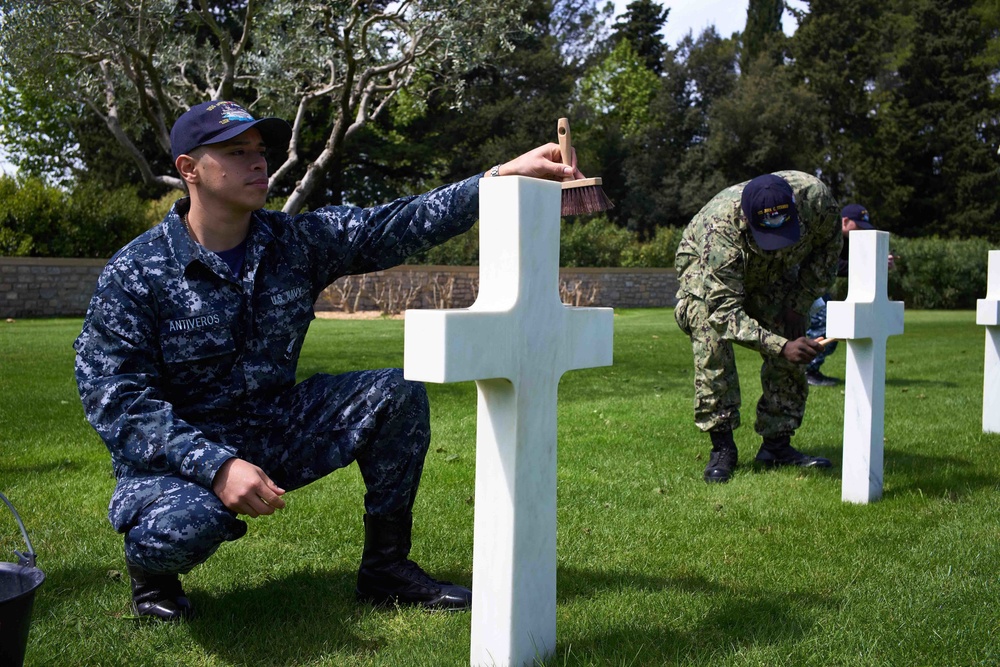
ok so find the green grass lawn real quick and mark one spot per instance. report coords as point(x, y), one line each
point(655, 566)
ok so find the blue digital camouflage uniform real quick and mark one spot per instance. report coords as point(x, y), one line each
point(817, 314)
point(182, 366)
point(731, 291)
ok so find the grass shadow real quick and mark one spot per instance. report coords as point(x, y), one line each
point(292, 619)
point(65, 587)
point(903, 382)
point(61, 466)
point(948, 477)
point(737, 618)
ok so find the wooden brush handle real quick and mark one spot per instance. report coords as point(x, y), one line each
point(565, 142)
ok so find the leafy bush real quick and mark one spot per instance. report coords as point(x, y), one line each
point(657, 253)
point(463, 250)
point(596, 242)
point(935, 273)
point(39, 220)
point(99, 222)
point(31, 215)
point(157, 209)
point(13, 241)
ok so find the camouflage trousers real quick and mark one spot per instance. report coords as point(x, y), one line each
point(716, 382)
point(375, 418)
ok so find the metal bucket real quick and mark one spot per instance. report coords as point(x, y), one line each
point(18, 582)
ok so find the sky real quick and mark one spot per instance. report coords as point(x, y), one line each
point(728, 16)
point(6, 167)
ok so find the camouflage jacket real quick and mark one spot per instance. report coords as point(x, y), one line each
point(719, 262)
point(175, 351)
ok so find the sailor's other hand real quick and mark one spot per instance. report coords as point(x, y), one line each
point(801, 350)
point(246, 489)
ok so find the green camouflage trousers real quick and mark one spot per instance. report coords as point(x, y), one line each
point(716, 382)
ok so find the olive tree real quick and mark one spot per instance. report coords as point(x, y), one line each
point(329, 66)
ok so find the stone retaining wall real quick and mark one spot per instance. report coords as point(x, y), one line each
point(403, 287)
point(45, 287)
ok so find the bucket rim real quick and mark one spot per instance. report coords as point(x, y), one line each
point(7, 566)
point(30, 579)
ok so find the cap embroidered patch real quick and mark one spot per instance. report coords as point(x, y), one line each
point(768, 202)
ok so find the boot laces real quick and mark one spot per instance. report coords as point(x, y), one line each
point(786, 451)
point(722, 457)
point(157, 588)
point(409, 570)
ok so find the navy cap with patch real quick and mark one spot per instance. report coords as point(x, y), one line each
point(857, 213)
point(769, 205)
point(220, 120)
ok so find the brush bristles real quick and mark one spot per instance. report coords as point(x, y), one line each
point(587, 197)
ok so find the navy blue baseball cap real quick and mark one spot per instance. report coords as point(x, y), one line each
point(769, 205)
point(857, 213)
point(219, 120)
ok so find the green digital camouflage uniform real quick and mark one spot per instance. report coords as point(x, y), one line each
point(731, 291)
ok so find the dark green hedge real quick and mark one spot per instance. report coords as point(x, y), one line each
point(934, 273)
point(39, 220)
point(596, 242)
point(43, 221)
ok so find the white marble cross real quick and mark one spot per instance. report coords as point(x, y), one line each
point(515, 341)
point(988, 313)
point(866, 319)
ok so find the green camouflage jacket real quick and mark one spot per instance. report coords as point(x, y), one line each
point(719, 262)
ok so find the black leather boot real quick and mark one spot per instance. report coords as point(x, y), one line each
point(778, 451)
point(158, 596)
point(722, 460)
point(388, 576)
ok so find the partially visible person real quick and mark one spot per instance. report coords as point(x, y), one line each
point(852, 217)
point(749, 264)
point(186, 364)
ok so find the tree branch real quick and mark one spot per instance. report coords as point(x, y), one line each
point(113, 123)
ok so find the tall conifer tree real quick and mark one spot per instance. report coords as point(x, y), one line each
point(763, 24)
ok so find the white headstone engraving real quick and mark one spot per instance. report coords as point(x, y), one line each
point(515, 341)
point(866, 319)
point(988, 313)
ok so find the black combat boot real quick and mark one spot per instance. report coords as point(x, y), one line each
point(158, 596)
point(722, 460)
point(778, 451)
point(388, 576)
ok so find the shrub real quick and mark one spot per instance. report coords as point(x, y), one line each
point(157, 209)
point(596, 242)
point(935, 273)
point(657, 253)
point(31, 215)
point(99, 222)
point(40, 220)
point(13, 241)
point(462, 250)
